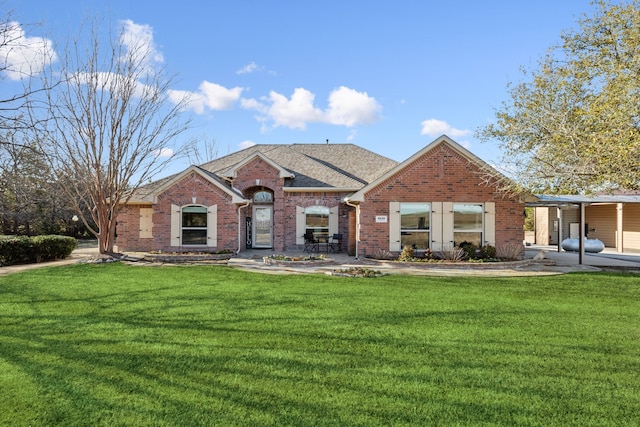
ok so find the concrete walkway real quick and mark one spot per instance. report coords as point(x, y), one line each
point(554, 263)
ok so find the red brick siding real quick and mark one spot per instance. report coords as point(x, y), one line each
point(128, 229)
point(440, 175)
point(284, 203)
point(306, 199)
point(205, 193)
point(269, 179)
point(182, 193)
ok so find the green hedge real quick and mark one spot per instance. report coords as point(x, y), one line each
point(28, 250)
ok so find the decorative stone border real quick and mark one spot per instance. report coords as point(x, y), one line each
point(465, 265)
point(178, 258)
point(294, 261)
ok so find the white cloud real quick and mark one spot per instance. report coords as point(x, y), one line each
point(210, 96)
point(349, 107)
point(164, 152)
point(293, 113)
point(246, 144)
point(346, 107)
point(250, 68)
point(138, 39)
point(435, 128)
point(22, 56)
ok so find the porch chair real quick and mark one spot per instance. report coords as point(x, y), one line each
point(310, 243)
point(335, 245)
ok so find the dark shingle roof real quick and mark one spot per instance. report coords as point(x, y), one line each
point(314, 165)
point(341, 166)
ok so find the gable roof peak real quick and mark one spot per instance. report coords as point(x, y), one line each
point(232, 172)
point(443, 139)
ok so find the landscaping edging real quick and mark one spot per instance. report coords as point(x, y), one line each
point(268, 260)
point(177, 258)
point(464, 265)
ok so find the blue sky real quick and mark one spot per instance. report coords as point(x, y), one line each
point(389, 76)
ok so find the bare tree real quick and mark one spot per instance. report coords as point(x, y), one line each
point(199, 151)
point(30, 202)
point(21, 58)
point(112, 125)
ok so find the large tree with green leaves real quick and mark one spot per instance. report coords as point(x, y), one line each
point(573, 124)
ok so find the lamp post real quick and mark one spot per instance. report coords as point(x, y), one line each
point(75, 225)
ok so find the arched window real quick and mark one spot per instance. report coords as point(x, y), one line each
point(263, 197)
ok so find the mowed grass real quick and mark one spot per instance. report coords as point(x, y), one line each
point(107, 345)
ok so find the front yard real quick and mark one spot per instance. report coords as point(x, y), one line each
point(116, 344)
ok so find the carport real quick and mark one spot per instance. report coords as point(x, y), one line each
point(581, 202)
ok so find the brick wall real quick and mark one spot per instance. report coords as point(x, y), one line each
point(128, 229)
point(195, 189)
point(440, 175)
point(306, 199)
point(192, 189)
point(259, 175)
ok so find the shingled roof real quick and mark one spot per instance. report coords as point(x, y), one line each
point(341, 166)
point(346, 167)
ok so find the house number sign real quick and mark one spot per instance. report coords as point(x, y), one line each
point(381, 218)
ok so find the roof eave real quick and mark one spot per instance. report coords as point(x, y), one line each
point(320, 189)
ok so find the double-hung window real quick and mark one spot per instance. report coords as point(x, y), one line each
point(415, 225)
point(194, 225)
point(317, 220)
point(467, 223)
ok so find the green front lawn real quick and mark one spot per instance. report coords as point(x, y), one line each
point(127, 345)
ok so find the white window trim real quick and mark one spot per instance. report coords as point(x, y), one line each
point(211, 227)
point(301, 222)
point(441, 225)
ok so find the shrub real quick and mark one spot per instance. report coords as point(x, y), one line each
point(487, 252)
point(407, 254)
point(15, 250)
point(469, 249)
point(453, 253)
point(383, 255)
point(47, 248)
point(25, 250)
point(509, 251)
point(425, 254)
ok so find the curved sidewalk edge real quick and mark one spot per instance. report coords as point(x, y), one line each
point(561, 263)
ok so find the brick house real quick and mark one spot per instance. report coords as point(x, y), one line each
point(269, 196)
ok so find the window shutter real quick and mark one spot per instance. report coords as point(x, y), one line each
point(447, 225)
point(146, 223)
point(436, 226)
point(394, 227)
point(212, 226)
point(490, 223)
point(301, 225)
point(176, 220)
point(333, 220)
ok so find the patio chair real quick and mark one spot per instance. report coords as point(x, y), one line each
point(310, 242)
point(335, 245)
